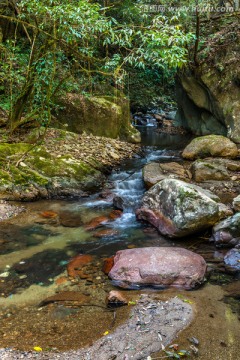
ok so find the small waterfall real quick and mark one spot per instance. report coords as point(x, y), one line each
point(128, 186)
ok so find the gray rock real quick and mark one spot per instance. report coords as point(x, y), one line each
point(227, 232)
point(177, 209)
point(232, 259)
point(204, 170)
point(236, 203)
point(157, 266)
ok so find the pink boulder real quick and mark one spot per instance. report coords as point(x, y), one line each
point(158, 266)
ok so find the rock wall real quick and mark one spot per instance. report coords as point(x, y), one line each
point(208, 94)
point(107, 116)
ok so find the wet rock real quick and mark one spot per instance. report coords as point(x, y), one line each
point(48, 214)
point(96, 222)
point(236, 203)
point(209, 170)
point(119, 202)
point(61, 280)
point(115, 214)
point(116, 298)
point(177, 209)
point(210, 145)
point(232, 259)
point(227, 232)
point(76, 263)
point(70, 219)
point(108, 264)
point(155, 172)
point(158, 266)
point(105, 233)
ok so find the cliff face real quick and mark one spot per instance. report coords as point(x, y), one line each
point(208, 95)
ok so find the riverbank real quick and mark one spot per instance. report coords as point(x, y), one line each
point(52, 163)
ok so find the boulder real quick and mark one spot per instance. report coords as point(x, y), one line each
point(236, 203)
point(107, 116)
point(227, 232)
point(204, 170)
point(155, 172)
point(158, 266)
point(232, 259)
point(177, 209)
point(210, 145)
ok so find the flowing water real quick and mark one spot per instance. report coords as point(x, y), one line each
point(37, 246)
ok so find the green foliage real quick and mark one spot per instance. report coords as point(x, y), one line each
point(60, 46)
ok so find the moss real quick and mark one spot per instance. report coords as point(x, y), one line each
point(184, 194)
point(5, 178)
point(210, 166)
point(13, 149)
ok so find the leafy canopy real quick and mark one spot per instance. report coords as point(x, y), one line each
point(62, 45)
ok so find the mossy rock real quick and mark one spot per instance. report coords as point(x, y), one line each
point(210, 145)
point(210, 169)
point(107, 116)
point(42, 175)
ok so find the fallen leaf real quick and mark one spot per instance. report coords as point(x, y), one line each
point(37, 348)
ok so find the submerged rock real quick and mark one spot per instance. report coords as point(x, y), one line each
point(227, 232)
point(232, 259)
point(70, 219)
point(96, 222)
point(210, 145)
point(177, 209)
point(108, 264)
point(158, 266)
point(75, 264)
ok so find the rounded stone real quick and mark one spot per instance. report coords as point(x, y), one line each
point(158, 266)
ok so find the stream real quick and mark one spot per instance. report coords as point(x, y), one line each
point(37, 245)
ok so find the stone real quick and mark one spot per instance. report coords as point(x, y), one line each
point(204, 170)
point(210, 145)
point(155, 172)
point(115, 214)
point(107, 265)
point(105, 233)
point(107, 116)
point(115, 298)
point(158, 266)
point(227, 232)
point(96, 222)
point(232, 259)
point(178, 209)
point(119, 202)
point(70, 219)
point(236, 203)
point(48, 214)
point(76, 263)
